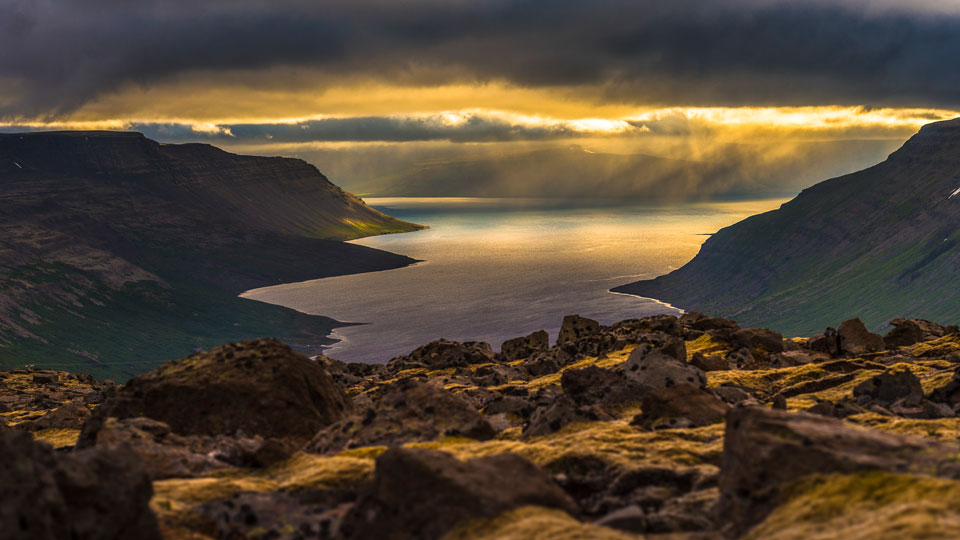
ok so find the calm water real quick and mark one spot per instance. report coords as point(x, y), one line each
point(495, 269)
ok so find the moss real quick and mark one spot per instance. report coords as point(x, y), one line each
point(532, 522)
point(173, 498)
point(870, 505)
point(705, 344)
point(943, 429)
point(58, 438)
point(611, 360)
point(939, 347)
point(613, 442)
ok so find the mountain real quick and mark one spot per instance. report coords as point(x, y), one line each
point(119, 252)
point(878, 243)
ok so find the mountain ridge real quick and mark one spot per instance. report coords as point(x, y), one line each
point(118, 246)
point(879, 242)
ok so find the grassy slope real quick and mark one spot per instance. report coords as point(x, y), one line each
point(877, 244)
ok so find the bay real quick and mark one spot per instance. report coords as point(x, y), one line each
point(493, 269)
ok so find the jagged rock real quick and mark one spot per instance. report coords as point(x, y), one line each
point(422, 494)
point(754, 338)
point(714, 323)
point(443, 353)
point(406, 412)
point(279, 515)
point(690, 317)
point(828, 342)
point(575, 327)
point(855, 339)
point(680, 406)
point(910, 331)
point(654, 369)
point(765, 449)
point(545, 363)
point(562, 411)
point(260, 387)
point(97, 494)
point(733, 395)
point(889, 387)
point(494, 375)
point(597, 386)
point(742, 358)
point(523, 347)
point(69, 416)
point(164, 454)
point(709, 362)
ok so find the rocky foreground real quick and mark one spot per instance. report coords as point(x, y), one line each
point(664, 427)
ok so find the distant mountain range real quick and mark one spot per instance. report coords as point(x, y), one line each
point(119, 252)
point(880, 243)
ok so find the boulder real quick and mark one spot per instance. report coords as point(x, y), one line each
point(652, 368)
point(69, 416)
point(709, 362)
point(910, 331)
point(759, 338)
point(707, 324)
point(828, 342)
point(423, 494)
point(575, 327)
point(510, 405)
point(259, 387)
point(889, 387)
point(680, 406)
point(443, 353)
point(548, 419)
point(279, 515)
point(545, 363)
point(495, 375)
point(765, 449)
point(855, 339)
point(597, 386)
point(406, 412)
point(523, 347)
point(97, 494)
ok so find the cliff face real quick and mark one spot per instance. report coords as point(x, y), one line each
point(118, 246)
point(879, 243)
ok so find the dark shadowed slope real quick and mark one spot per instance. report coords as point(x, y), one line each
point(879, 243)
point(120, 250)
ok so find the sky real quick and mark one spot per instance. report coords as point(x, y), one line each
point(352, 81)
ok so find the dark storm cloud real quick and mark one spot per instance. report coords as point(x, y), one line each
point(56, 55)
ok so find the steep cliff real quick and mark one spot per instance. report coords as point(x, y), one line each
point(879, 243)
point(118, 247)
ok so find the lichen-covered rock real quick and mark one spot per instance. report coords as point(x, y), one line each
point(855, 339)
point(597, 386)
point(423, 494)
point(562, 411)
point(406, 412)
point(709, 362)
point(97, 494)
point(680, 406)
point(259, 387)
point(889, 387)
point(444, 353)
point(759, 338)
point(575, 327)
point(653, 369)
point(765, 449)
point(523, 347)
point(279, 515)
